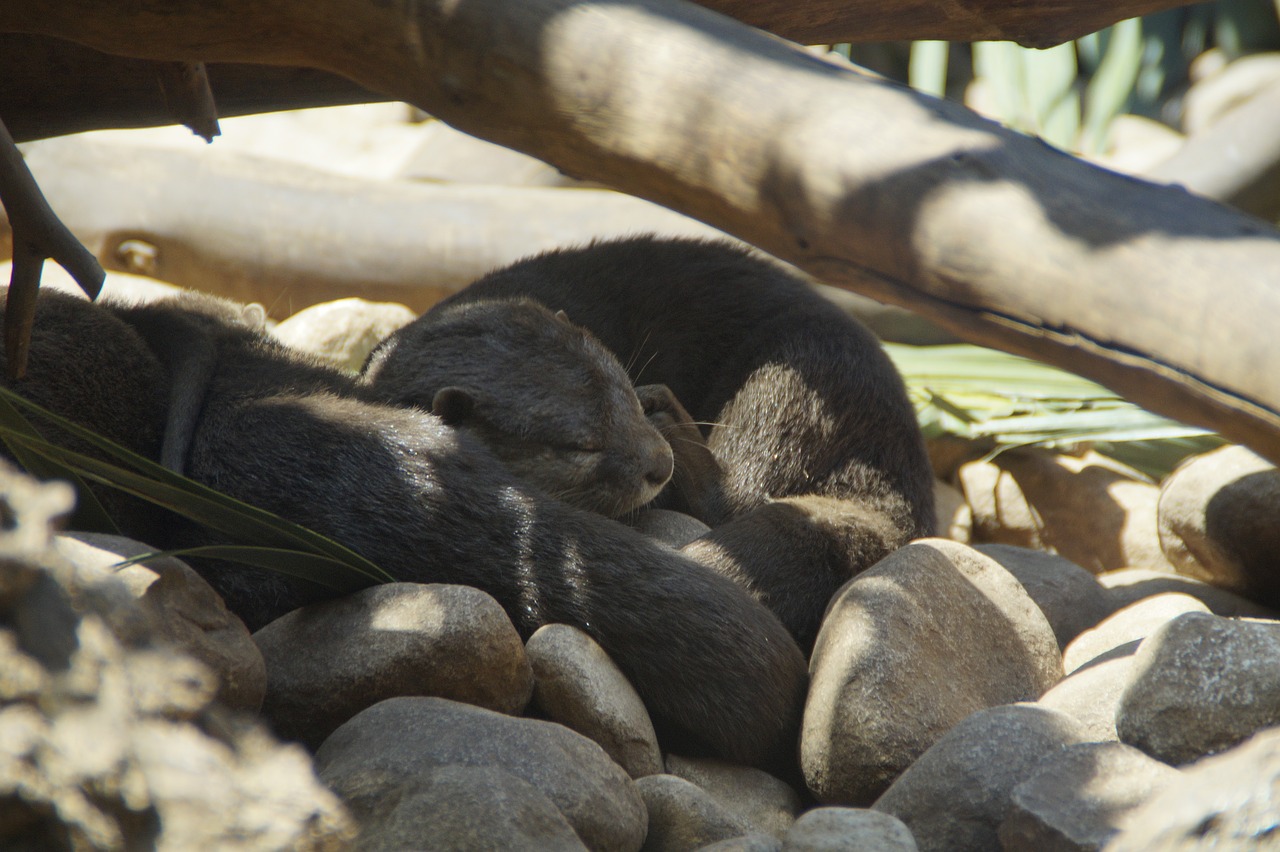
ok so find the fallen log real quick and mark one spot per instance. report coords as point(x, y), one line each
point(1164, 297)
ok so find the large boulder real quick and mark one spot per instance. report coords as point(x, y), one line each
point(931, 634)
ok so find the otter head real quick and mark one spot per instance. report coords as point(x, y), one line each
point(543, 394)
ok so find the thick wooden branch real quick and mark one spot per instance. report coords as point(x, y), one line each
point(49, 87)
point(1164, 297)
point(1038, 23)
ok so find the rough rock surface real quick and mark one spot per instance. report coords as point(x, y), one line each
point(1229, 801)
point(184, 610)
point(110, 741)
point(1068, 595)
point(1081, 796)
point(343, 331)
point(1091, 509)
point(1217, 522)
point(745, 843)
point(461, 808)
point(1092, 695)
point(1129, 585)
point(684, 816)
point(577, 685)
point(329, 661)
point(769, 804)
point(1203, 684)
point(848, 830)
point(957, 794)
point(400, 739)
point(910, 647)
point(1127, 628)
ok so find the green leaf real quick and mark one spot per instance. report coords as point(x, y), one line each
point(89, 513)
point(307, 566)
point(927, 71)
point(1109, 91)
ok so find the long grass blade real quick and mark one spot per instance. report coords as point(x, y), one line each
point(307, 566)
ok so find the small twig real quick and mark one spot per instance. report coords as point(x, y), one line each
point(189, 98)
point(37, 234)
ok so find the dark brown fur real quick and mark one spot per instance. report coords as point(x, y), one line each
point(427, 502)
point(822, 468)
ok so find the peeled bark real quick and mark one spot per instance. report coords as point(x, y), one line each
point(1164, 297)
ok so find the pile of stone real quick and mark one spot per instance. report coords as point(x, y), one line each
point(1096, 664)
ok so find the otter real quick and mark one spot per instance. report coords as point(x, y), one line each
point(808, 462)
point(426, 500)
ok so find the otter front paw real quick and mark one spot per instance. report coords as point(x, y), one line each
point(698, 479)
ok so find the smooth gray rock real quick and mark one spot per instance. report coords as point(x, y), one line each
point(1070, 597)
point(1229, 801)
point(400, 739)
point(1217, 522)
point(1204, 683)
point(1092, 695)
point(848, 830)
point(343, 331)
point(183, 609)
point(683, 816)
point(957, 794)
point(746, 843)
point(465, 809)
point(767, 803)
point(1128, 627)
point(1133, 584)
point(1079, 797)
point(577, 685)
point(329, 661)
point(675, 529)
point(908, 648)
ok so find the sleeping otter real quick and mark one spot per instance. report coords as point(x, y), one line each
point(426, 501)
point(813, 466)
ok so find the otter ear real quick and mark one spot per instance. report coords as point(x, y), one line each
point(563, 317)
point(452, 405)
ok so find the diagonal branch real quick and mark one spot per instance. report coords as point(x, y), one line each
point(37, 234)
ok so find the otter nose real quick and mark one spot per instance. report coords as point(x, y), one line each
point(661, 466)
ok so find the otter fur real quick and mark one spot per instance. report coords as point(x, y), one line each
point(427, 501)
point(813, 466)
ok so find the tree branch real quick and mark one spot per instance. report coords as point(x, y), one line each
point(37, 234)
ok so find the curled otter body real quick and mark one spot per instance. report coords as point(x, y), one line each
point(820, 468)
point(424, 500)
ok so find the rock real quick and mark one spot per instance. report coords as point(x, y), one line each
point(957, 794)
point(1091, 695)
point(1229, 87)
point(577, 685)
point(400, 739)
point(1127, 628)
point(1068, 595)
point(110, 740)
point(1217, 522)
point(1090, 509)
point(462, 808)
point(329, 661)
point(848, 830)
point(183, 609)
point(1133, 584)
point(1079, 797)
point(746, 843)
point(1229, 801)
point(954, 517)
point(683, 816)
point(1204, 683)
point(911, 646)
point(675, 529)
point(769, 804)
point(344, 331)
